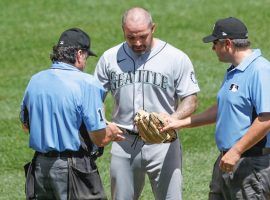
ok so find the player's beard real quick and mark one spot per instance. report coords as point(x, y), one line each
point(141, 49)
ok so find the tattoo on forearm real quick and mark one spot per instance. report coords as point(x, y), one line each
point(186, 107)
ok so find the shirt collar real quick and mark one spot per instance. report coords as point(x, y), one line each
point(63, 66)
point(249, 59)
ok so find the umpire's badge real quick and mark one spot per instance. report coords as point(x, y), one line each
point(234, 87)
point(193, 78)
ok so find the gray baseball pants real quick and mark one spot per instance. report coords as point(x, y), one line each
point(161, 162)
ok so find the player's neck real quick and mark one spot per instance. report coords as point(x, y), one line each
point(154, 43)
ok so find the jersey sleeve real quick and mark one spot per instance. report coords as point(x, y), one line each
point(93, 113)
point(185, 79)
point(101, 73)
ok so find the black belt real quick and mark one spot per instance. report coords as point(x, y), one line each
point(131, 132)
point(65, 154)
point(253, 152)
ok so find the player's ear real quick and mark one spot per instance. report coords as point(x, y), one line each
point(124, 32)
point(153, 28)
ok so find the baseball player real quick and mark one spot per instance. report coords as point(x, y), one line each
point(146, 73)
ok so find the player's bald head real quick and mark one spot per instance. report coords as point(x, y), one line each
point(135, 16)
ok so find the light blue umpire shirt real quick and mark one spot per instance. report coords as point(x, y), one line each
point(58, 101)
point(245, 88)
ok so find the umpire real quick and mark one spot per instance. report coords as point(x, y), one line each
point(56, 104)
point(242, 116)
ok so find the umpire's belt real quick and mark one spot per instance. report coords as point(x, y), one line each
point(131, 132)
point(253, 152)
point(66, 154)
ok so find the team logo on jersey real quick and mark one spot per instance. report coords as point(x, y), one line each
point(234, 87)
point(193, 78)
point(140, 76)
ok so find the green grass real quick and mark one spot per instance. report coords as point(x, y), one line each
point(30, 28)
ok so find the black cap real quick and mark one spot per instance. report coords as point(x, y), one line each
point(76, 37)
point(230, 27)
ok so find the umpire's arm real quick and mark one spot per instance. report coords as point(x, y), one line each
point(104, 136)
point(258, 130)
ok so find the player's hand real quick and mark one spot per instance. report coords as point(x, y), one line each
point(165, 116)
point(229, 160)
point(173, 123)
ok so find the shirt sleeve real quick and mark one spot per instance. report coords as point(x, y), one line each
point(101, 73)
point(259, 94)
point(185, 79)
point(93, 113)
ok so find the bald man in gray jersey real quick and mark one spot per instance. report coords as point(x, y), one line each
point(146, 73)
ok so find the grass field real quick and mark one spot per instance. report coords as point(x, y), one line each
point(29, 29)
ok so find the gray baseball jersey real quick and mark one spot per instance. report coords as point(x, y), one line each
point(152, 81)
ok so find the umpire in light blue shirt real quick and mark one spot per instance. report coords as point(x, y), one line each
point(62, 110)
point(241, 114)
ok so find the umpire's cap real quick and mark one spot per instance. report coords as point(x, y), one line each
point(78, 38)
point(230, 27)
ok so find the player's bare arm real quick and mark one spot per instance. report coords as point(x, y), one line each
point(258, 130)
point(186, 107)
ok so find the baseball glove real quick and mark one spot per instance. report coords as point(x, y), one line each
point(149, 125)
